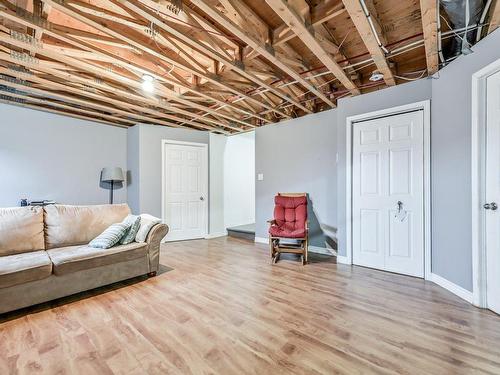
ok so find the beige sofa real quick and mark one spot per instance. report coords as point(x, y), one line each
point(44, 253)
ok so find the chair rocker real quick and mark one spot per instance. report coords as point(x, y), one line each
point(288, 231)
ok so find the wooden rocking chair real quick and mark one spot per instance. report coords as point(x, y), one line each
point(288, 231)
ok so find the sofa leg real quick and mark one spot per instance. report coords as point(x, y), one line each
point(152, 274)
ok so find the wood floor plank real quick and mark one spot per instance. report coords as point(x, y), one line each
point(220, 307)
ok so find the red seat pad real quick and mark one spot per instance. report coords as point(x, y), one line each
point(290, 214)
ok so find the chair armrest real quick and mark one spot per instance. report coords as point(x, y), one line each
point(153, 240)
point(271, 222)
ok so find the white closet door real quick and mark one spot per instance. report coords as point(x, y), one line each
point(185, 192)
point(493, 193)
point(387, 184)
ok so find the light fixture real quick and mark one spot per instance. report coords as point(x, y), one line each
point(148, 83)
point(466, 50)
point(376, 76)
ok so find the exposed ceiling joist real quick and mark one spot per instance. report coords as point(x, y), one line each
point(429, 10)
point(127, 62)
point(259, 47)
point(143, 45)
point(218, 65)
point(291, 16)
point(149, 15)
point(45, 51)
point(362, 24)
point(495, 16)
point(320, 14)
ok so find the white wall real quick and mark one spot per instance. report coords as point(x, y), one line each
point(239, 179)
point(217, 145)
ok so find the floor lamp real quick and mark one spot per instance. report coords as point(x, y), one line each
point(112, 175)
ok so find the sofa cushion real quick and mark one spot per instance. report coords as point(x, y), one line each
point(22, 268)
point(77, 258)
point(110, 237)
point(147, 223)
point(77, 225)
point(135, 224)
point(21, 230)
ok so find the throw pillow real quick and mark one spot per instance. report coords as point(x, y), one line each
point(147, 222)
point(135, 222)
point(110, 237)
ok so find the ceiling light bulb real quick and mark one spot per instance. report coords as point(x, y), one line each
point(148, 83)
point(376, 76)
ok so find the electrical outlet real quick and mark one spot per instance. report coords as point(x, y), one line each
point(260, 177)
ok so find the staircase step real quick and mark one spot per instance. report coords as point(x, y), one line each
point(246, 231)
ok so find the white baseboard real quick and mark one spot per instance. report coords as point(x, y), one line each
point(215, 235)
point(321, 250)
point(451, 287)
point(342, 259)
point(262, 240)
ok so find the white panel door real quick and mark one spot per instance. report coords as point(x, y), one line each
point(185, 195)
point(387, 194)
point(493, 193)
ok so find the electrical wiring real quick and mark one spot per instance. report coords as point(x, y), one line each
point(412, 79)
point(451, 28)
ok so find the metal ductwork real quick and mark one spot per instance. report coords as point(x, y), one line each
point(459, 14)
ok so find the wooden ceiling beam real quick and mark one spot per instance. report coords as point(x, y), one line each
point(132, 110)
point(495, 16)
point(241, 14)
point(104, 73)
point(358, 17)
point(429, 11)
point(320, 14)
point(79, 102)
point(259, 47)
point(291, 16)
point(128, 61)
point(101, 26)
point(149, 101)
point(247, 19)
point(232, 65)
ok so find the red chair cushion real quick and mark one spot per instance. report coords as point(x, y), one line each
point(290, 214)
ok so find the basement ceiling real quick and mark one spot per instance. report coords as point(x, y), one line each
point(225, 66)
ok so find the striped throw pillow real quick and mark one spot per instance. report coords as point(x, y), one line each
point(110, 237)
point(135, 222)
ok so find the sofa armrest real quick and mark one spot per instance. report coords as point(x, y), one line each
point(153, 240)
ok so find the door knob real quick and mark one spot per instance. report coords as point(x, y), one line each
point(491, 206)
point(202, 199)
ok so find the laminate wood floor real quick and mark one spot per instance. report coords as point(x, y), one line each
point(219, 307)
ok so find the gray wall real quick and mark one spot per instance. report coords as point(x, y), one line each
point(451, 162)
point(133, 175)
point(48, 156)
point(450, 91)
point(144, 156)
point(298, 156)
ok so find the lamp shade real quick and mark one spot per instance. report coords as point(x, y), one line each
point(112, 174)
